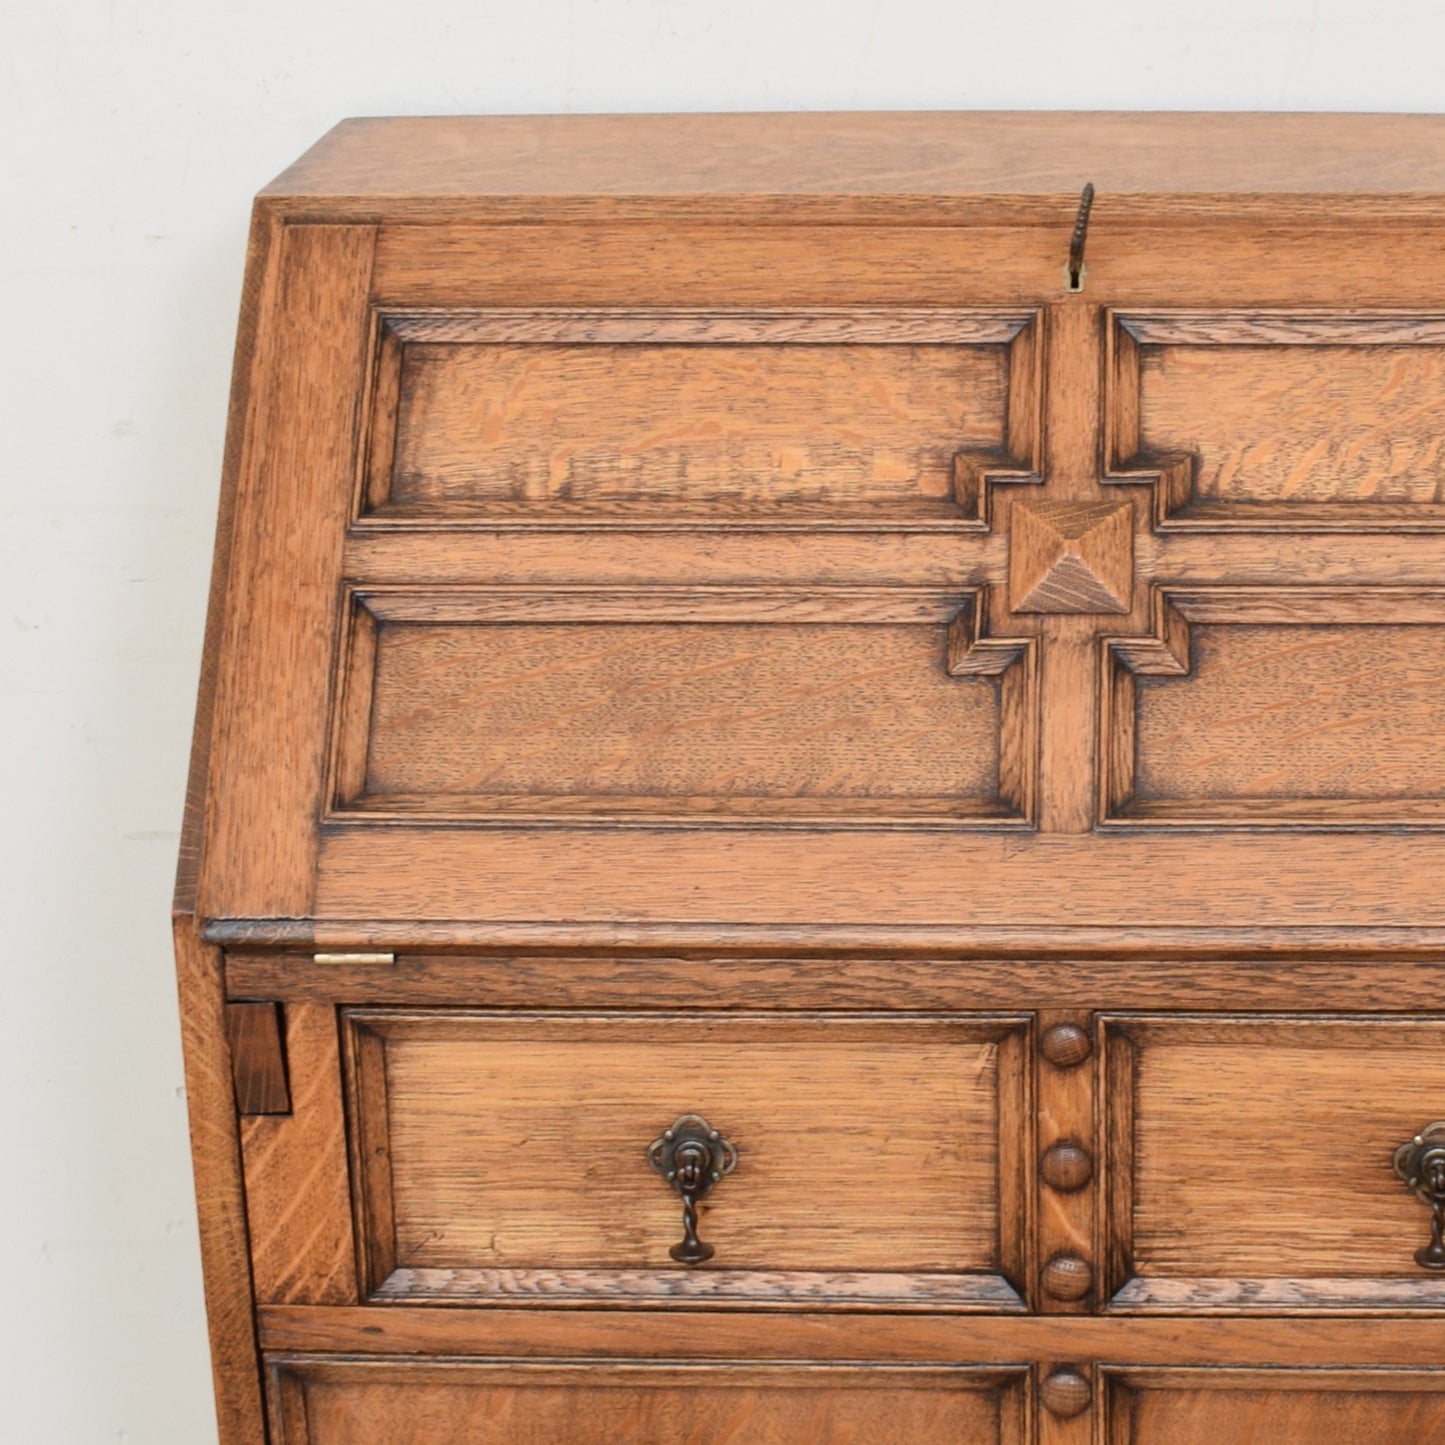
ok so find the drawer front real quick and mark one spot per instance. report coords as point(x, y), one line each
point(1290, 1407)
point(1250, 1162)
point(878, 1161)
point(318, 1402)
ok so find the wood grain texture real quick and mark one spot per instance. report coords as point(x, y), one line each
point(761, 719)
point(210, 1097)
point(1290, 715)
point(1241, 1195)
point(518, 1144)
point(691, 416)
point(357, 1402)
point(258, 1058)
point(1071, 557)
point(896, 163)
point(856, 1291)
point(701, 593)
point(1300, 424)
point(1197, 1407)
point(258, 280)
point(297, 1206)
point(801, 1334)
point(680, 890)
point(271, 705)
point(1367, 263)
point(1064, 1119)
point(927, 982)
point(220, 1199)
point(1065, 1393)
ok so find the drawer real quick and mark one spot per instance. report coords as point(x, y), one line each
point(1250, 1162)
point(878, 1161)
point(350, 1402)
point(1288, 1407)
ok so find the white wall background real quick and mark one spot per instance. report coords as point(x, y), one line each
point(133, 133)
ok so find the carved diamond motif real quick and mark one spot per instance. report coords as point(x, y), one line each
point(1071, 557)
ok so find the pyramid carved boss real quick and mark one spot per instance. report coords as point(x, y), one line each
point(1071, 557)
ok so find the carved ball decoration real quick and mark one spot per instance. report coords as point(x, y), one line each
point(1066, 1166)
point(1066, 1046)
point(1066, 1393)
point(1067, 1277)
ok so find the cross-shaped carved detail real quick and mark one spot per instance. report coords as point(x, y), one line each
point(1101, 559)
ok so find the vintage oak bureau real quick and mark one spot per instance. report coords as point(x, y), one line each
point(818, 800)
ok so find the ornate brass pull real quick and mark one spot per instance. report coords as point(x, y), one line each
point(1421, 1164)
point(691, 1156)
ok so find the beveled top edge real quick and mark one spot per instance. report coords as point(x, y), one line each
point(824, 162)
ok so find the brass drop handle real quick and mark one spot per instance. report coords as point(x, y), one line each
point(1421, 1164)
point(691, 1156)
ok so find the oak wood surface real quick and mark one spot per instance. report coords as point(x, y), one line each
point(270, 712)
point(1290, 715)
point(1196, 1407)
point(356, 1402)
point(1064, 1117)
point(526, 415)
point(1240, 1189)
point(705, 596)
point(220, 1199)
point(295, 1170)
point(515, 1146)
point(799, 1334)
point(585, 716)
point(1299, 423)
point(927, 983)
point(258, 1058)
point(874, 160)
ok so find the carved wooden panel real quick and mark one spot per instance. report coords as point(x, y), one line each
point(879, 1160)
point(720, 705)
point(1290, 1407)
point(1286, 417)
point(1249, 1162)
point(315, 1401)
point(548, 418)
point(1287, 706)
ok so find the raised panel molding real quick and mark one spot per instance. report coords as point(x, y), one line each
point(791, 706)
point(316, 1400)
point(501, 1158)
point(1201, 1406)
point(835, 418)
point(1279, 420)
point(1224, 1196)
point(1290, 725)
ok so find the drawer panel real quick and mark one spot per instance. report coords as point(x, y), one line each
point(321, 1402)
point(1249, 1162)
point(1287, 1407)
point(879, 1161)
point(559, 418)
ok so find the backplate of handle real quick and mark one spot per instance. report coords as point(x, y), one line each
point(1420, 1162)
point(691, 1156)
